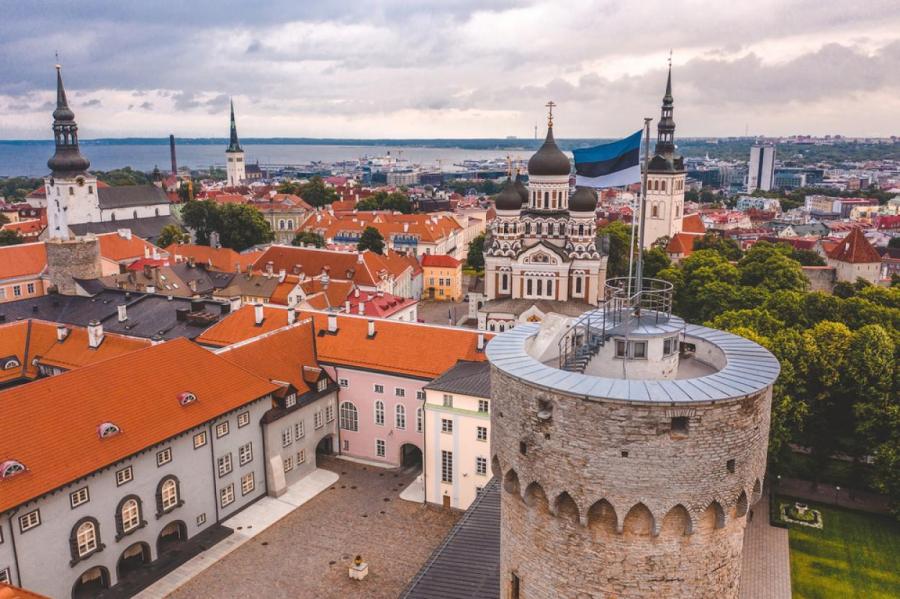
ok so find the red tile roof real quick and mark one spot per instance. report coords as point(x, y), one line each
point(681, 243)
point(410, 349)
point(10, 592)
point(117, 248)
point(378, 305)
point(138, 392)
point(221, 259)
point(241, 325)
point(855, 248)
point(279, 355)
point(22, 260)
point(362, 269)
point(440, 261)
point(692, 223)
point(26, 228)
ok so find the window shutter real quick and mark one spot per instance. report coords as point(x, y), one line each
point(120, 527)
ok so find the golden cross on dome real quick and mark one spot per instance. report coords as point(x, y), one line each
point(550, 105)
point(508, 165)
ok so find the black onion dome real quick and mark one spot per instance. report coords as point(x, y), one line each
point(520, 187)
point(509, 197)
point(549, 159)
point(583, 200)
point(67, 160)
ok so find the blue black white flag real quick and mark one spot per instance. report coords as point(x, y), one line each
point(609, 165)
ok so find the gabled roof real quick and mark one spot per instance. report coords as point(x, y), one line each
point(8, 591)
point(855, 249)
point(252, 285)
point(27, 228)
point(126, 196)
point(279, 355)
point(693, 223)
point(440, 261)
point(115, 247)
point(312, 262)
point(241, 325)
point(222, 259)
point(465, 378)
point(149, 228)
point(410, 349)
point(681, 243)
point(22, 260)
point(138, 392)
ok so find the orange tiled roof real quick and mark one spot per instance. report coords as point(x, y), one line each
point(410, 349)
point(10, 592)
point(22, 260)
point(279, 355)
point(440, 261)
point(426, 227)
point(37, 339)
point(855, 248)
point(332, 296)
point(692, 223)
point(26, 228)
point(221, 259)
point(138, 392)
point(312, 262)
point(115, 247)
point(681, 243)
point(241, 325)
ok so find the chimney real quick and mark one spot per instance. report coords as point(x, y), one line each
point(371, 329)
point(479, 345)
point(181, 314)
point(148, 271)
point(362, 307)
point(172, 153)
point(123, 313)
point(258, 314)
point(347, 306)
point(146, 252)
point(270, 267)
point(235, 304)
point(155, 250)
point(151, 289)
point(156, 339)
point(281, 275)
point(190, 261)
point(125, 233)
point(405, 227)
point(95, 334)
point(360, 259)
point(356, 292)
point(332, 323)
point(62, 331)
point(292, 315)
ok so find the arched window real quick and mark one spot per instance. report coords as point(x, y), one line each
point(505, 227)
point(379, 413)
point(134, 214)
point(504, 281)
point(85, 539)
point(290, 224)
point(528, 228)
point(677, 210)
point(167, 496)
point(156, 212)
point(580, 230)
point(349, 420)
point(281, 224)
point(128, 516)
point(401, 417)
point(550, 287)
point(662, 185)
point(539, 229)
point(113, 216)
point(540, 286)
point(420, 420)
point(654, 211)
point(528, 288)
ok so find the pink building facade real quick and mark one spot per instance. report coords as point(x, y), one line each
point(381, 416)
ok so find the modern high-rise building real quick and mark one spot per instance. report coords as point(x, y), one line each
point(761, 173)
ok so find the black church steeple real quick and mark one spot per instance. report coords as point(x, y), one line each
point(67, 161)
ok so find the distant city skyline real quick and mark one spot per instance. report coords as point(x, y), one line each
point(460, 69)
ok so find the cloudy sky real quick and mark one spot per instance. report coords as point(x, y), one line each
point(451, 68)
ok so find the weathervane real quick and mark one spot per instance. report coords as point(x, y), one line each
point(670, 58)
point(550, 106)
point(56, 53)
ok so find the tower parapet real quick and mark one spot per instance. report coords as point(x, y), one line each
point(631, 473)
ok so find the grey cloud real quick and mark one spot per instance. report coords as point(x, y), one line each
point(93, 102)
point(147, 106)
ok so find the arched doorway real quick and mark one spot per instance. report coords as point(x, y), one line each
point(410, 456)
point(132, 559)
point(90, 583)
point(171, 538)
point(325, 447)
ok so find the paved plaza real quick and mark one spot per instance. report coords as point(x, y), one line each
point(306, 554)
point(767, 560)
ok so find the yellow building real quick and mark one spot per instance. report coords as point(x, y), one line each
point(442, 277)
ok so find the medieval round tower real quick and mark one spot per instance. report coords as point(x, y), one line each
point(631, 446)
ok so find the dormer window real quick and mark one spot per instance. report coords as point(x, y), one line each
point(290, 400)
point(186, 398)
point(108, 429)
point(10, 468)
point(322, 384)
point(11, 363)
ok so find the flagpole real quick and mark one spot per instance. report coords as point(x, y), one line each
point(643, 209)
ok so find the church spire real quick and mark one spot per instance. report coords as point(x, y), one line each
point(67, 161)
point(235, 145)
point(665, 139)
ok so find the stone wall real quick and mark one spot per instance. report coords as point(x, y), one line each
point(72, 259)
point(608, 500)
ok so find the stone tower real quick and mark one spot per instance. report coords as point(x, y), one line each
point(71, 198)
point(234, 157)
point(631, 447)
point(665, 177)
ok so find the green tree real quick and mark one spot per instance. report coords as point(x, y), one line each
point(727, 247)
point(123, 176)
point(172, 234)
point(372, 240)
point(9, 237)
point(807, 257)
point(869, 377)
point(769, 266)
point(368, 204)
point(290, 187)
point(618, 236)
point(316, 193)
point(475, 255)
point(202, 217)
point(655, 260)
point(242, 226)
point(308, 238)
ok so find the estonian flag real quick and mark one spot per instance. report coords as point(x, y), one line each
point(609, 165)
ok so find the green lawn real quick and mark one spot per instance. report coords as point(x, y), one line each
point(855, 556)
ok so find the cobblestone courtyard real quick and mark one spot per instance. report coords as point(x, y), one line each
point(306, 554)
